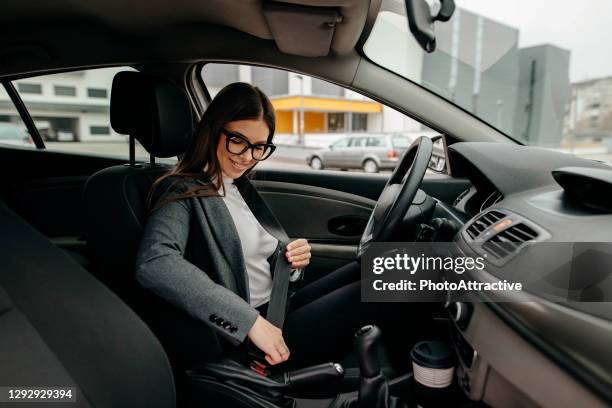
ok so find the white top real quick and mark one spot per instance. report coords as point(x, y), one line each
point(257, 243)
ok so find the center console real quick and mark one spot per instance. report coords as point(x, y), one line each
point(471, 372)
point(231, 384)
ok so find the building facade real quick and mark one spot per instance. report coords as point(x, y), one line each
point(324, 107)
point(543, 95)
point(476, 66)
point(70, 106)
point(524, 92)
point(590, 113)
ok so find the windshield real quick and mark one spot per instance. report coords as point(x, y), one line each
point(537, 71)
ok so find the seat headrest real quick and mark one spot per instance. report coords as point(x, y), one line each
point(153, 110)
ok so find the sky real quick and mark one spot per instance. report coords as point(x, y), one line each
point(583, 27)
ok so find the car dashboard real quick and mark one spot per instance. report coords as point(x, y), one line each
point(527, 353)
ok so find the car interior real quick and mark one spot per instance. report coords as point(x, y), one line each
point(72, 314)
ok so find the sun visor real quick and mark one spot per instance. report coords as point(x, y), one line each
point(302, 30)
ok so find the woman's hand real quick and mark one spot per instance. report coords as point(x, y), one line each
point(298, 253)
point(269, 339)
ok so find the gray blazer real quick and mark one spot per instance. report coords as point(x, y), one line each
point(190, 255)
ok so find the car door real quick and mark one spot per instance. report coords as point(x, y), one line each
point(331, 208)
point(47, 190)
point(355, 153)
point(376, 147)
point(334, 156)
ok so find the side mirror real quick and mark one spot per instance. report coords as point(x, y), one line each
point(438, 160)
point(421, 17)
point(437, 164)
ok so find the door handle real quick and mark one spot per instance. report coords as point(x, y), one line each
point(347, 225)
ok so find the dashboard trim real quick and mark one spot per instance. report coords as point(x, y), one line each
point(579, 372)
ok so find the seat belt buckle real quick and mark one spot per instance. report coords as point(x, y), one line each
point(258, 360)
point(260, 368)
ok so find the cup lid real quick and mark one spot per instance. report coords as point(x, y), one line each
point(432, 354)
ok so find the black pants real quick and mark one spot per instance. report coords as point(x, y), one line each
point(325, 314)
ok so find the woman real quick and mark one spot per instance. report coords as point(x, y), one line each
point(201, 239)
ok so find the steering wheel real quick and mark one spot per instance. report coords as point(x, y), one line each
point(398, 194)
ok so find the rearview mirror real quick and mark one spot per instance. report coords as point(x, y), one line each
point(421, 17)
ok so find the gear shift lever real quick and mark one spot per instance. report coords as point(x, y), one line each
point(366, 343)
point(373, 389)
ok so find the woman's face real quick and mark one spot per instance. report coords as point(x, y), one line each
point(234, 165)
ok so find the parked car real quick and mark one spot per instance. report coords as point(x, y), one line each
point(46, 130)
point(14, 135)
point(370, 152)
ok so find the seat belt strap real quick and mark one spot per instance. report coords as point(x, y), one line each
point(277, 306)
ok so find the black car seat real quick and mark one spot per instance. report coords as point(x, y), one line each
point(60, 327)
point(157, 114)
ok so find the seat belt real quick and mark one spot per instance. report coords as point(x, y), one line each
point(277, 306)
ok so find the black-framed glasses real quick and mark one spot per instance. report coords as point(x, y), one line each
point(235, 143)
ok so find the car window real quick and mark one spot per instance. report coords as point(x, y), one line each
point(13, 131)
point(340, 143)
point(71, 111)
point(375, 141)
point(312, 114)
point(358, 142)
point(400, 142)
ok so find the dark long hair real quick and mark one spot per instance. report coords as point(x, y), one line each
point(237, 101)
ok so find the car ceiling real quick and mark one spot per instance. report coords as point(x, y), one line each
point(37, 36)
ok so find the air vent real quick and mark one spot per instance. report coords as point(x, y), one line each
point(483, 222)
point(509, 240)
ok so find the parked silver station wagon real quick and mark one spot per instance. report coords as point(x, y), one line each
point(371, 152)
